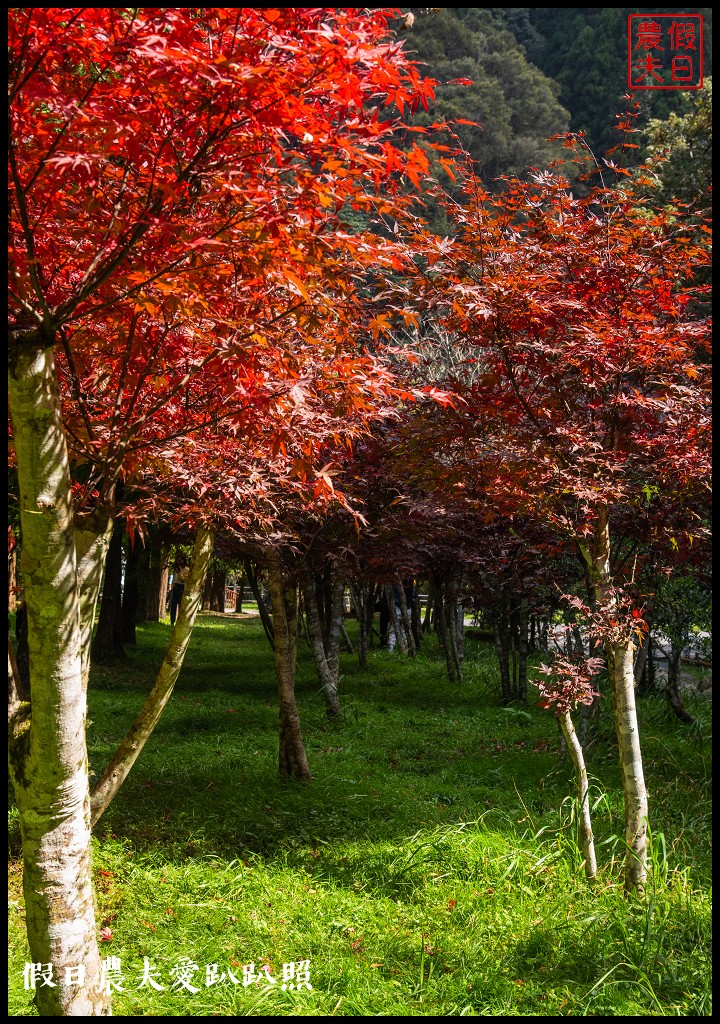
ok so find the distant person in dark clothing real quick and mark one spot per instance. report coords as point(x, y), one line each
point(181, 571)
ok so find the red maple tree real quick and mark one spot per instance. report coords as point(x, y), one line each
point(586, 316)
point(178, 179)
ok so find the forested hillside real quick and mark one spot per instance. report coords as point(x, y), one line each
point(535, 71)
point(516, 105)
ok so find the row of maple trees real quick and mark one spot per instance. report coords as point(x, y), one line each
point(228, 315)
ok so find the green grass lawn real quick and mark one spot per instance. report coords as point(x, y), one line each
point(430, 868)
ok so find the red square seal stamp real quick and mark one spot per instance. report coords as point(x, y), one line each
point(665, 51)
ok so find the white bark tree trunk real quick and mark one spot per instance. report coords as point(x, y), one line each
point(48, 754)
point(141, 729)
point(326, 676)
point(634, 792)
point(620, 669)
point(293, 762)
point(92, 539)
point(585, 834)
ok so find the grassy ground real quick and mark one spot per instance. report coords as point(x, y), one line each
point(430, 868)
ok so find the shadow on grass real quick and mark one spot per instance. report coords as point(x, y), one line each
point(411, 751)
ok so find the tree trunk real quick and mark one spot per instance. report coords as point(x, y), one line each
point(452, 617)
point(585, 835)
point(523, 647)
point(590, 713)
point(206, 600)
point(48, 753)
point(635, 794)
point(459, 606)
point(363, 596)
point(673, 684)
point(92, 541)
point(642, 653)
point(346, 639)
point(358, 593)
point(129, 750)
point(217, 589)
point(337, 595)
point(451, 646)
point(395, 619)
point(513, 644)
point(131, 592)
point(416, 620)
point(372, 596)
point(328, 681)
point(500, 629)
point(407, 623)
point(620, 666)
point(427, 622)
point(293, 760)
point(107, 648)
point(267, 622)
point(440, 623)
point(157, 577)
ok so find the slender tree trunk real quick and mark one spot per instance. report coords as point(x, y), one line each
point(443, 633)
point(92, 541)
point(523, 648)
point(328, 681)
point(427, 621)
point(131, 592)
point(438, 620)
point(143, 583)
point(140, 731)
point(372, 596)
point(585, 835)
point(673, 684)
point(513, 639)
point(415, 619)
point(157, 578)
point(326, 606)
point(363, 595)
point(628, 735)
point(239, 594)
point(590, 713)
point(395, 620)
point(460, 631)
point(346, 639)
point(500, 629)
point(620, 666)
point(544, 629)
point(265, 618)
point(642, 652)
point(407, 623)
point(107, 647)
point(207, 592)
point(451, 647)
point(293, 760)
point(48, 754)
point(337, 593)
point(217, 589)
point(358, 593)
